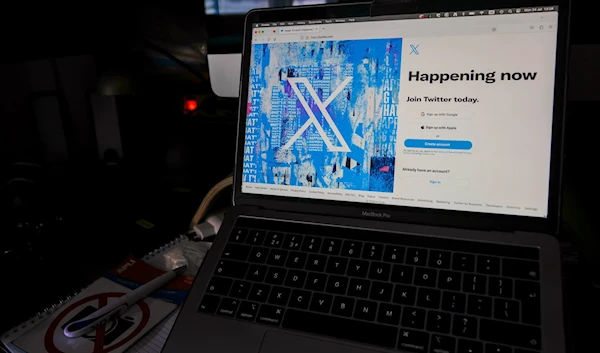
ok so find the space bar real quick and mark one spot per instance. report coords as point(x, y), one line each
point(341, 328)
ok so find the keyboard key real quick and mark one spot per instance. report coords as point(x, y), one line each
point(240, 289)
point(429, 298)
point(474, 283)
point(256, 273)
point(316, 262)
point(389, 314)
point(520, 269)
point(439, 259)
point(279, 296)
point(413, 341)
point(209, 304)
point(379, 271)
point(438, 322)
point(405, 295)
point(529, 295)
point(296, 260)
point(238, 235)
point(337, 285)
point(247, 311)
point(402, 274)
point(506, 309)
point(381, 291)
point(331, 246)
point(275, 275)
point(277, 257)
point(488, 265)
point(358, 268)
point(219, 285)
point(311, 244)
point(299, 299)
point(449, 280)
point(258, 255)
point(321, 302)
point(270, 315)
point(259, 292)
point(359, 288)
point(394, 253)
point(316, 281)
point(235, 251)
point(228, 307)
point(464, 326)
point(380, 335)
point(372, 251)
point(425, 277)
point(442, 344)
point(495, 348)
point(501, 287)
point(463, 262)
point(343, 306)
point(233, 269)
point(336, 265)
point(292, 242)
point(365, 310)
point(256, 237)
point(274, 239)
point(414, 318)
point(351, 248)
point(510, 334)
point(480, 306)
point(295, 279)
point(453, 302)
point(416, 256)
point(468, 346)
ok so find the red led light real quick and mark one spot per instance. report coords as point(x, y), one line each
point(191, 105)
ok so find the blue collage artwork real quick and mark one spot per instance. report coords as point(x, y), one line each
point(323, 114)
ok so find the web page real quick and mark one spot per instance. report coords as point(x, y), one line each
point(448, 113)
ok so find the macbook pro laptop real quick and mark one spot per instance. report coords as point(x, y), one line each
point(396, 185)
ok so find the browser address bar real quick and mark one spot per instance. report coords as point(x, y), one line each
point(298, 30)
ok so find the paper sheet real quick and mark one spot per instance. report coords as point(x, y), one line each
point(155, 340)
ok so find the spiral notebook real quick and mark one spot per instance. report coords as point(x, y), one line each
point(154, 339)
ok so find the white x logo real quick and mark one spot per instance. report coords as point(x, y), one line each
point(312, 119)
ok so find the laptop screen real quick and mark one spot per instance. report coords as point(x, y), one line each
point(439, 110)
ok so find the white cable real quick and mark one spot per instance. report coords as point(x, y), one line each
point(210, 227)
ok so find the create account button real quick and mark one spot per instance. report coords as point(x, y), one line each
point(442, 144)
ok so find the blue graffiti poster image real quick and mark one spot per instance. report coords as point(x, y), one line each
point(323, 114)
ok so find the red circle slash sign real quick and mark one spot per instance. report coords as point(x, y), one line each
point(102, 299)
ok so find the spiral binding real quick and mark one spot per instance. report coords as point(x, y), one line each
point(165, 247)
point(40, 315)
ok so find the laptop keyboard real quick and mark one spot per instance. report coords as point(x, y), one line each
point(417, 294)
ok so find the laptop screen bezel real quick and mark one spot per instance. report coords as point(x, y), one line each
point(463, 219)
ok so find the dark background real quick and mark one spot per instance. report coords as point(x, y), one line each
point(91, 99)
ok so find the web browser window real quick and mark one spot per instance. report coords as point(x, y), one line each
point(444, 110)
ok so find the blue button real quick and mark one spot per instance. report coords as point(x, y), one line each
point(440, 144)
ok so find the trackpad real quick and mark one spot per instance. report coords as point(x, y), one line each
point(279, 342)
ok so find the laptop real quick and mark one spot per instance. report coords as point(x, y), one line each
point(396, 184)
